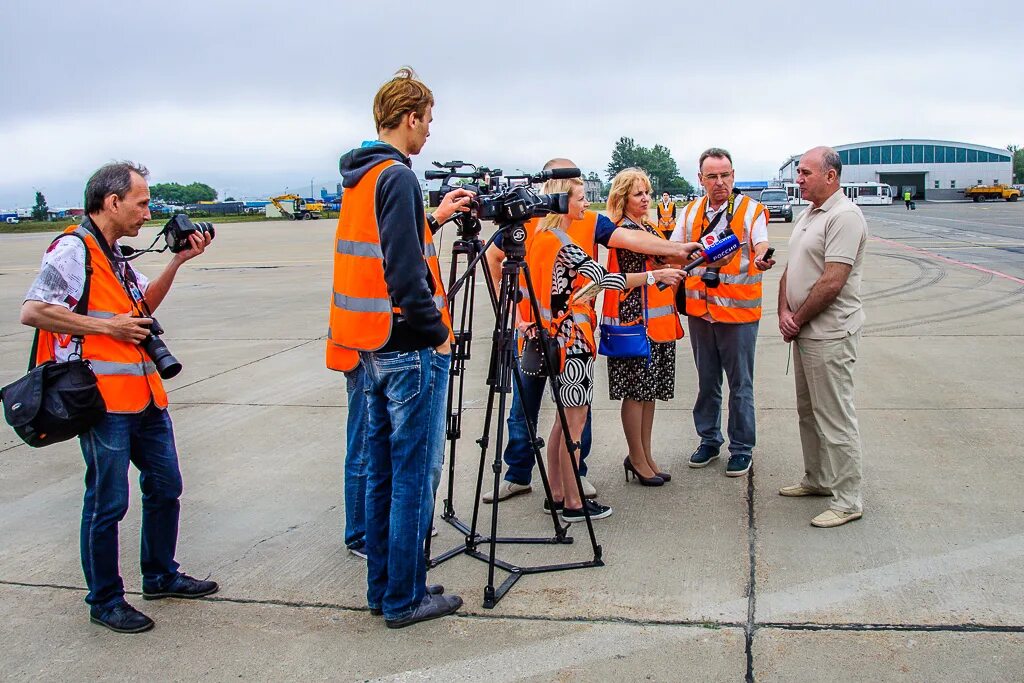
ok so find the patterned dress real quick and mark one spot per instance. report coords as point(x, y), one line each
point(633, 378)
point(576, 381)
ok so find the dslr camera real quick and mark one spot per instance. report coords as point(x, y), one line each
point(177, 230)
point(166, 364)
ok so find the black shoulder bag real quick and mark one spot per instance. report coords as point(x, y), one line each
point(56, 401)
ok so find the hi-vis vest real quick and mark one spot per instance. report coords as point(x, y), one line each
point(583, 233)
point(738, 298)
point(541, 254)
point(666, 218)
point(361, 308)
point(127, 378)
point(662, 317)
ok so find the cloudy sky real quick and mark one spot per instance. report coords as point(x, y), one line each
point(255, 97)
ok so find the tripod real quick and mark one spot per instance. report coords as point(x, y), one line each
point(502, 371)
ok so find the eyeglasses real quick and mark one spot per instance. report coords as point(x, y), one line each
point(715, 177)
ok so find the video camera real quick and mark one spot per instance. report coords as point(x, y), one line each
point(506, 203)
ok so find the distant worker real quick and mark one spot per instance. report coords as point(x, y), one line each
point(820, 313)
point(666, 215)
point(724, 319)
point(906, 199)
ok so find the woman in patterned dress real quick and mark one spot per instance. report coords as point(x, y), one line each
point(637, 382)
point(571, 268)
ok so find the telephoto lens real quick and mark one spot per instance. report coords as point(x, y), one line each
point(166, 364)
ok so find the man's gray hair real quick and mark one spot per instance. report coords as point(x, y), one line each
point(830, 160)
point(716, 152)
point(112, 178)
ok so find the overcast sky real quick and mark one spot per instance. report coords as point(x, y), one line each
point(255, 97)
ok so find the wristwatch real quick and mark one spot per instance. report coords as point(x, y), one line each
point(650, 277)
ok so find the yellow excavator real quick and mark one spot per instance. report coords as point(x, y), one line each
point(301, 209)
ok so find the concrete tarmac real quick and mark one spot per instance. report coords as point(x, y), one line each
point(706, 578)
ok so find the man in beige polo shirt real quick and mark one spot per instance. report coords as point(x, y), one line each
point(820, 311)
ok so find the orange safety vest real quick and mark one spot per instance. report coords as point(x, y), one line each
point(361, 308)
point(738, 298)
point(541, 253)
point(583, 232)
point(128, 380)
point(662, 316)
point(666, 218)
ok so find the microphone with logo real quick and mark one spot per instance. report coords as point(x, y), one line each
point(726, 245)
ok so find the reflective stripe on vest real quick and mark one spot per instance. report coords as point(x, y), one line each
point(666, 217)
point(361, 310)
point(737, 299)
point(126, 377)
point(541, 255)
point(662, 316)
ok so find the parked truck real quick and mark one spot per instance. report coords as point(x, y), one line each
point(981, 193)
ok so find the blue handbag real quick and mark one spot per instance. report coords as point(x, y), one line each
point(626, 341)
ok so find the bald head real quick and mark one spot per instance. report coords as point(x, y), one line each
point(818, 174)
point(559, 162)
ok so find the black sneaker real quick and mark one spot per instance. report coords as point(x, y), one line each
point(122, 618)
point(183, 586)
point(559, 506)
point(739, 464)
point(432, 589)
point(597, 511)
point(703, 455)
point(432, 607)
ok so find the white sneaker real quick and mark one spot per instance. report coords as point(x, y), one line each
point(433, 531)
point(588, 489)
point(507, 490)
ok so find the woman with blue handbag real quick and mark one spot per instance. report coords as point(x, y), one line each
point(566, 279)
point(642, 370)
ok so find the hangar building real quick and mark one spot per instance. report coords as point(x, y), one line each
point(930, 169)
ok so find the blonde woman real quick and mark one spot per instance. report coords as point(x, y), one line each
point(559, 270)
point(639, 382)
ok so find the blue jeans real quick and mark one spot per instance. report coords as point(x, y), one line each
point(406, 396)
point(729, 347)
point(146, 440)
point(355, 459)
point(518, 452)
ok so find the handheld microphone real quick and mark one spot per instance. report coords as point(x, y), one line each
point(728, 244)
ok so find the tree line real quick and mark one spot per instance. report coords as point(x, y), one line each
point(656, 161)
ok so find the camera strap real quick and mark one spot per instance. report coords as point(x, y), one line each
point(728, 213)
point(126, 277)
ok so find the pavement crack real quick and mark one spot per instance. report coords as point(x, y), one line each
point(260, 542)
point(751, 626)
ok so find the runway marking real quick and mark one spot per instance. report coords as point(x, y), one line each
point(988, 271)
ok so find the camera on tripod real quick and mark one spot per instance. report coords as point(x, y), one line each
point(177, 231)
point(505, 203)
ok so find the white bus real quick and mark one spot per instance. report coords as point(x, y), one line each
point(868, 193)
point(859, 193)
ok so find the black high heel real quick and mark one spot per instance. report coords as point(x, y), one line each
point(644, 481)
point(665, 476)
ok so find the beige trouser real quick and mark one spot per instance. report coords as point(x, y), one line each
point(828, 420)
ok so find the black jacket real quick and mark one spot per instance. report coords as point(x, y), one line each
point(399, 207)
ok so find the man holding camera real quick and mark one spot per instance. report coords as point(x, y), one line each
point(137, 427)
point(389, 305)
point(723, 308)
point(592, 230)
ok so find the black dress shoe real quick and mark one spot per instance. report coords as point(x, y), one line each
point(432, 589)
point(183, 586)
point(432, 607)
point(122, 618)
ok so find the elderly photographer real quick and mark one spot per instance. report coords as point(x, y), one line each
point(587, 232)
point(137, 427)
